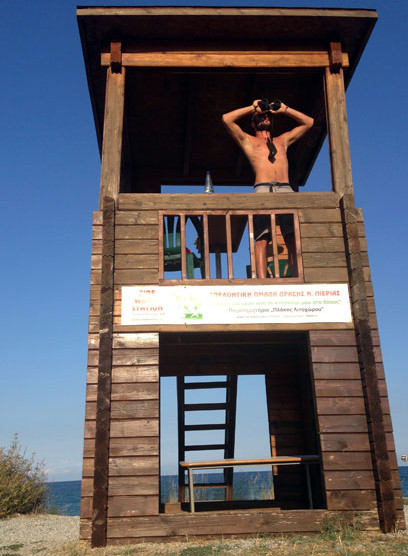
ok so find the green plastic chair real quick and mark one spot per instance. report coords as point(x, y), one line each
point(284, 270)
point(172, 247)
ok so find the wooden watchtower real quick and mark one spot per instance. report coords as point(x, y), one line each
point(159, 80)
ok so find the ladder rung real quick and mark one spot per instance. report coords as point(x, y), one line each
point(203, 447)
point(204, 406)
point(207, 427)
point(196, 385)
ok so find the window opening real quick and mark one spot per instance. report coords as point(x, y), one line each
point(223, 246)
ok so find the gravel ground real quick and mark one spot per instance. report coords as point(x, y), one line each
point(46, 534)
point(37, 533)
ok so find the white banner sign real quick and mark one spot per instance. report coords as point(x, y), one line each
point(303, 303)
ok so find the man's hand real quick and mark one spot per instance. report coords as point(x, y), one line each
point(257, 108)
point(283, 108)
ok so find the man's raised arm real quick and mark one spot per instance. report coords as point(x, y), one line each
point(305, 123)
point(230, 118)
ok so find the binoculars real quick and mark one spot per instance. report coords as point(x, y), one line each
point(265, 105)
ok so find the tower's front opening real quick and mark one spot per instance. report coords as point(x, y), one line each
point(230, 401)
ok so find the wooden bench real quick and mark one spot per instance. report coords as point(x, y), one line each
point(190, 466)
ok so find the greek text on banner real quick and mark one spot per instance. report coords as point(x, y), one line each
point(304, 303)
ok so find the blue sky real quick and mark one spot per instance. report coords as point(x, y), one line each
point(49, 167)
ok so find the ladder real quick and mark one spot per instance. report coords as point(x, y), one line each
point(229, 384)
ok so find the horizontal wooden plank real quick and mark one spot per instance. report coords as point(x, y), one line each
point(136, 232)
point(320, 215)
point(142, 446)
point(227, 201)
point(90, 410)
point(96, 246)
point(339, 388)
point(316, 245)
point(123, 262)
point(137, 409)
point(135, 277)
point(324, 260)
point(338, 354)
point(226, 59)
point(135, 373)
point(136, 246)
point(340, 406)
point(91, 392)
point(135, 391)
point(135, 467)
point(342, 423)
point(351, 499)
point(330, 338)
point(96, 277)
point(96, 233)
point(237, 523)
point(337, 461)
point(349, 480)
point(134, 428)
point(89, 430)
point(148, 356)
point(86, 507)
point(123, 506)
point(335, 370)
point(145, 340)
point(136, 217)
point(344, 442)
point(131, 486)
point(326, 275)
point(117, 327)
point(96, 262)
point(92, 375)
point(319, 230)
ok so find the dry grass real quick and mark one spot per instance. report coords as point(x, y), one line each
point(347, 542)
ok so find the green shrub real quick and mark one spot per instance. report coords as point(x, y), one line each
point(22, 481)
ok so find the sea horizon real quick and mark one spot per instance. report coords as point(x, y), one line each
point(65, 496)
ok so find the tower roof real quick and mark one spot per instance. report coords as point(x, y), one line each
point(173, 129)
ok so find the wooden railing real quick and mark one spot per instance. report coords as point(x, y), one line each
point(222, 232)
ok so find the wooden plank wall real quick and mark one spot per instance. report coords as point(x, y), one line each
point(134, 430)
point(288, 432)
point(136, 254)
point(342, 422)
point(381, 375)
point(135, 389)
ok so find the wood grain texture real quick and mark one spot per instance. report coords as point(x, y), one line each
point(101, 462)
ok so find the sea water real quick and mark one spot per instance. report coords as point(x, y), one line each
point(65, 496)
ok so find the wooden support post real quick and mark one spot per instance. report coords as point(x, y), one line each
point(112, 130)
point(343, 184)
point(337, 129)
point(101, 465)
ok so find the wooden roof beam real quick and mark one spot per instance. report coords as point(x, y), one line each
point(231, 59)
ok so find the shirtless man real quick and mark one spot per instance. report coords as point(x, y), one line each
point(269, 162)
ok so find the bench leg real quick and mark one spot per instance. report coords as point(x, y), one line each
point(191, 490)
point(309, 487)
